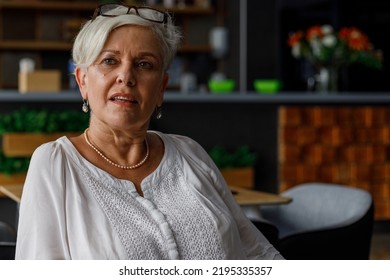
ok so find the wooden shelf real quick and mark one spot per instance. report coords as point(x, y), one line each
point(188, 10)
point(34, 45)
point(51, 5)
point(282, 98)
point(48, 5)
point(193, 48)
point(65, 46)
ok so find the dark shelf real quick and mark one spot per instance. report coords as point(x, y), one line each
point(282, 98)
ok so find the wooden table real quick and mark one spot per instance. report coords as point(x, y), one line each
point(248, 197)
point(244, 197)
point(12, 191)
point(252, 200)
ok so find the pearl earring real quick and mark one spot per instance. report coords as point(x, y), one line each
point(85, 107)
point(158, 112)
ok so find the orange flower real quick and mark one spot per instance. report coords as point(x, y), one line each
point(295, 38)
point(314, 32)
point(355, 38)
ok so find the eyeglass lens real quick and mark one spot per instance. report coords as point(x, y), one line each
point(113, 10)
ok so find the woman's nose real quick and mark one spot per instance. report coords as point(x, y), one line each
point(126, 76)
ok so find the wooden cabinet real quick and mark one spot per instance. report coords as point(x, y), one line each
point(44, 30)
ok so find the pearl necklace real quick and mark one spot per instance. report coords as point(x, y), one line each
point(113, 163)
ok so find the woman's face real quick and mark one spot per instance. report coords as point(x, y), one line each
point(127, 81)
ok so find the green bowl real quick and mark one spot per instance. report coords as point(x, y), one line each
point(221, 86)
point(267, 86)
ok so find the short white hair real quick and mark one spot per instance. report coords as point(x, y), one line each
point(90, 40)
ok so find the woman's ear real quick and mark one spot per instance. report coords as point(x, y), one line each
point(81, 78)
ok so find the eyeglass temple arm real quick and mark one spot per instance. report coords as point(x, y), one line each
point(96, 13)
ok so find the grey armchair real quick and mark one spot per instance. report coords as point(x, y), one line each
point(323, 222)
point(7, 241)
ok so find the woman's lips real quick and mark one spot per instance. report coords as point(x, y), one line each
point(123, 99)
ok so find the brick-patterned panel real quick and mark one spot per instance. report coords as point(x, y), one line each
point(347, 145)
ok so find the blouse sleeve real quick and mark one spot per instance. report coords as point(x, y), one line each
point(255, 244)
point(253, 241)
point(42, 224)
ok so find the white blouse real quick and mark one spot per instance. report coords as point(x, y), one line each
point(70, 209)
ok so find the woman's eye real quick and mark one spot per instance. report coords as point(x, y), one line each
point(145, 65)
point(109, 61)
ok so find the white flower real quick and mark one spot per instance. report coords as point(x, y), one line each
point(326, 29)
point(329, 40)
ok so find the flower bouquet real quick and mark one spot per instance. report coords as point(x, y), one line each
point(328, 49)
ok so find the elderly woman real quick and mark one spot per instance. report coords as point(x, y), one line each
point(119, 191)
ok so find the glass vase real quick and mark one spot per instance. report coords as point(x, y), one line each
point(326, 80)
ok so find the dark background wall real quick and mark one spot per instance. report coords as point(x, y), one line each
point(229, 125)
point(262, 40)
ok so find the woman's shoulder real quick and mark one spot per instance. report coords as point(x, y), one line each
point(52, 145)
point(181, 142)
point(49, 150)
point(184, 141)
point(186, 146)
